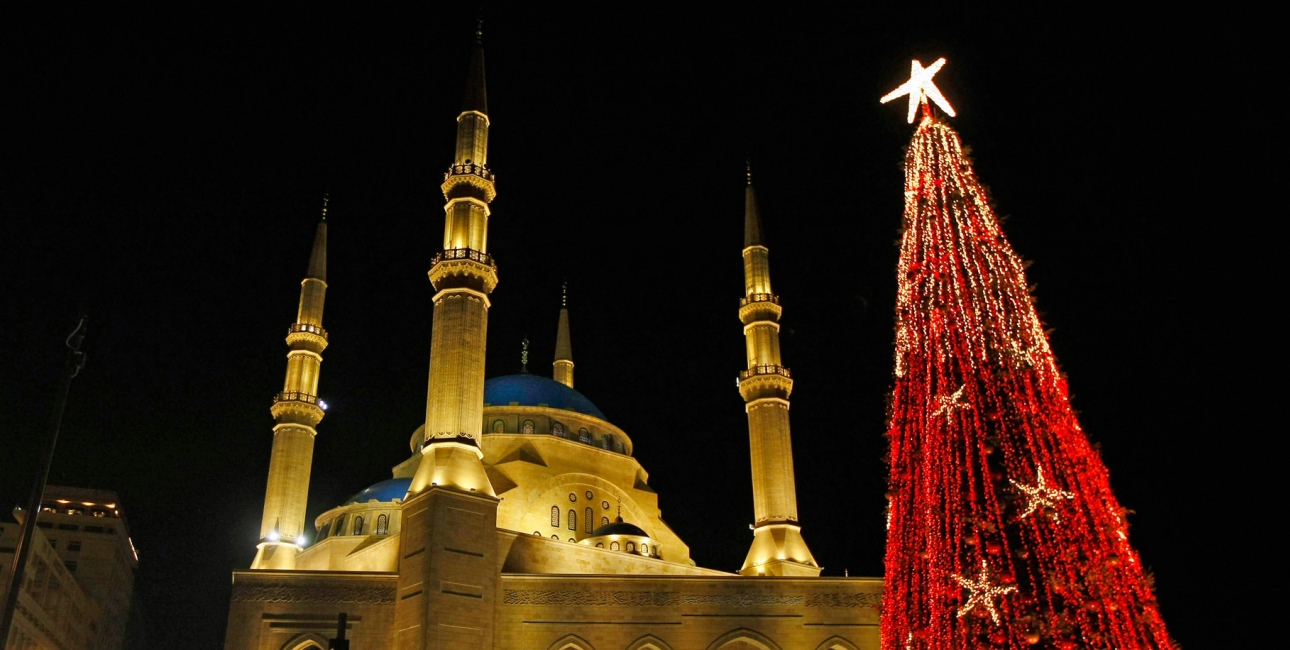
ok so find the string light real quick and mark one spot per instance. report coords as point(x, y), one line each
point(983, 593)
point(964, 319)
point(1040, 495)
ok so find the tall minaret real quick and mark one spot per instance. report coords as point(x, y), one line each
point(297, 411)
point(448, 547)
point(778, 547)
point(463, 275)
point(563, 372)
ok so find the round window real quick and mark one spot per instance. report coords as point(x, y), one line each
point(590, 495)
point(604, 504)
point(573, 497)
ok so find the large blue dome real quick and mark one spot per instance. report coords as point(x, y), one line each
point(532, 390)
point(389, 490)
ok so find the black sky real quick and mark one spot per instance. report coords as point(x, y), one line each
point(164, 172)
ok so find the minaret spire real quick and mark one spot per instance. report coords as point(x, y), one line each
point(463, 275)
point(778, 547)
point(563, 372)
point(296, 411)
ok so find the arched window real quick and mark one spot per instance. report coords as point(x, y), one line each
point(590, 519)
point(537, 534)
point(557, 429)
point(631, 547)
point(644, 548)
point(339, 528)
point(555, 516)
point(555, 537)
point(358, 525)
point(584, 436)
point(613, 546)
point(604, 521)
point(527, 427)
point(572, 541)
point(499, 426)
point(324, 531)
point(600, 544)
point(573, 519)
point(382, 525)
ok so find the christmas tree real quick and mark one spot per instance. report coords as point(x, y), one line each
point(1003, 531)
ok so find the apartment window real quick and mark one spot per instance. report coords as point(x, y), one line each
point(67, 527)
point(44, 524)
point(75, 511)
point(71, 566)
point(95, 529)
point(74, 545)
point(48, 509)
point(53, 543)
point(100, 513)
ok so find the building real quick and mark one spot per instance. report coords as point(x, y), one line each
point(520, 518)
point(79, 582)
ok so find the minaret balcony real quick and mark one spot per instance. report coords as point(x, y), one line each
point(759, 306)
point(477, 177)
point(767, 369)
point(313, 336)
point(297, 406)
point(758, 297)
point(464, 262)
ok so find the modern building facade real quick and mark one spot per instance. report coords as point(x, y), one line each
point(79, 583)
point(521, 518)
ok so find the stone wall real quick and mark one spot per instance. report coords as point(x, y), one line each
point(277, 610)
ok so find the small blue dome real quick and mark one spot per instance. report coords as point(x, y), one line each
point(532, 390)
point(395, 488)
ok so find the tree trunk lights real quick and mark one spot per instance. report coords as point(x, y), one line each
point(1003, 530)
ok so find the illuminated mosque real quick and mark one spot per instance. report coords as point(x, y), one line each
point(520, 518)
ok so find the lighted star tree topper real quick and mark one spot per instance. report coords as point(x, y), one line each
point(1003, 529)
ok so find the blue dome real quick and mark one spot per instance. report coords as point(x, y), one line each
point(532, 390)
point(395, 488)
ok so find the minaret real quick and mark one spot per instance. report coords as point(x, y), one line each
point(778, 547)
point(448, 548)
point(563, 372)
point(463, 275)
point(297, 411)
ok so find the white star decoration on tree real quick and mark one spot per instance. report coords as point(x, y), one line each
point(920, 88)
point(948, 404)
point(1041, 495)
point(983, 592)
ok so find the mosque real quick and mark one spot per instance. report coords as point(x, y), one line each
point(520, 518)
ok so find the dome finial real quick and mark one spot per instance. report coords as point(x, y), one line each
point(524, 356)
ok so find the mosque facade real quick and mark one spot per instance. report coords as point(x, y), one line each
point(521, 518)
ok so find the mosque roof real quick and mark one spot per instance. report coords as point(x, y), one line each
point(619, 527)
point(387, 490)
point(532, 390)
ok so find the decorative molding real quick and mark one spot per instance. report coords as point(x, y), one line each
point(645, 599)
point(872, 601)
point(312, 594)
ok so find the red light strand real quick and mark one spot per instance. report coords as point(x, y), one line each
point(1003, 529)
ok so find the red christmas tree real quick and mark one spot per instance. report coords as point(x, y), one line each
point(1003, 530)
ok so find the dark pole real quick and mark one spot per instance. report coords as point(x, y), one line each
point(75, 360)
point(340, 643)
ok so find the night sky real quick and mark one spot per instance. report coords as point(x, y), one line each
point(164, 173)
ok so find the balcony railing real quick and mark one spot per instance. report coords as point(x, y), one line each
point(295, 396)
point(759, 297)
point(469, 169)
point(305, 327)
point(764, 370)
point(462, 254)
